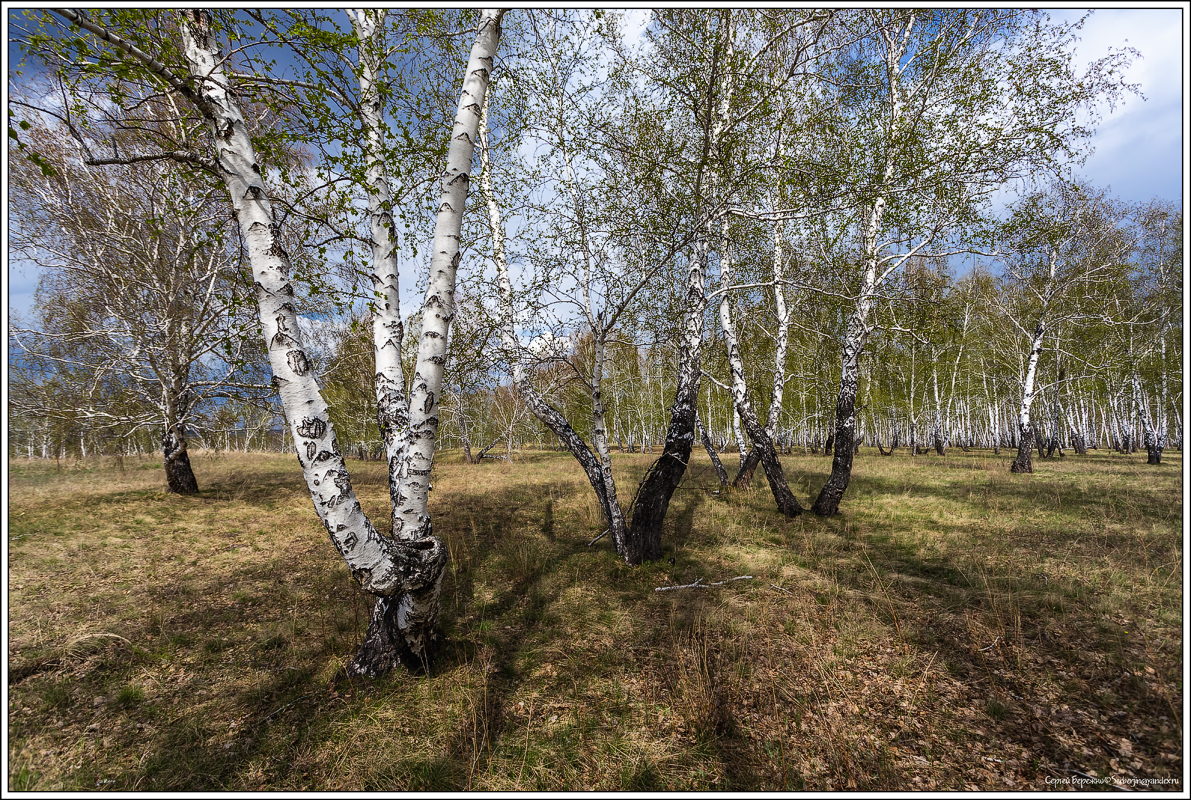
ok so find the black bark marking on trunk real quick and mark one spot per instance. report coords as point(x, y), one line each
point(179, 476)
point(297, 362)
point(282, 337)
point(312, 428)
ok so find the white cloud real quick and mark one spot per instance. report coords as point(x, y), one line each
point(1139, 146)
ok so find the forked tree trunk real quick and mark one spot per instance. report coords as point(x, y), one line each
point(761, 441)
point(781, 341)
point(827, 503)
point(404, 571)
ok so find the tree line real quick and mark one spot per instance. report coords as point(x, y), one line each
point(745, 230)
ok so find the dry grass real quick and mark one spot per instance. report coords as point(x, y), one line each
point(957, 627)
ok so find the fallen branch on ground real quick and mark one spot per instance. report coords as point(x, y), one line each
point(699, 584)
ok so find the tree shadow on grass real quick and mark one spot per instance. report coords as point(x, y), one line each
point(1012, 634)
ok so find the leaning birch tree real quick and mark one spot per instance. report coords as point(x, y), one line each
point(591, 270)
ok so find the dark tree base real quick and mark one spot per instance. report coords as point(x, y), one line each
point(744, 477)
point(644, 538)
point(384, 647)
point(1022, 464)
point(179, 476)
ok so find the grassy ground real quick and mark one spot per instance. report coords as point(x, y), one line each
point(956, 627)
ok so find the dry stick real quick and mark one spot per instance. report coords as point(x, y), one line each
point(699, 584)
point(601, 536)
point(780, 589)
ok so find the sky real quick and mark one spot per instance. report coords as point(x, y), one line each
point(1138, 147)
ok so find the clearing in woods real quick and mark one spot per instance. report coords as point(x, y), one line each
point(956, 627)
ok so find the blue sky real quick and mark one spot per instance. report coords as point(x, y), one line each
point(1138, 148)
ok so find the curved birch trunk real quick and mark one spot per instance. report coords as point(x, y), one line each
point(404, 571)
point(597, 469)
point(762, 443)
point(782, 342)
point(657, 487)
point(720, 472)
point(827, 503)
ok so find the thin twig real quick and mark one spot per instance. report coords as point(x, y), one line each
point(991, 646)
point(601, 536)
point(699, 584)
point(780, 589)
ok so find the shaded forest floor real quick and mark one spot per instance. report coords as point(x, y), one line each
point(957, 627)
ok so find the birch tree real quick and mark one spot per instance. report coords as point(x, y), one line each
point(588, 268)
point(1066, 244)
point(404, 570)
point(141, 292)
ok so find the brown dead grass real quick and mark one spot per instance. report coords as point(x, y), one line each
point(957, 627)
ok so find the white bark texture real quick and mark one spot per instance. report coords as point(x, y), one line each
point(411, 519)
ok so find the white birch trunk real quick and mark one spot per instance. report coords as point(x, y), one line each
point(1025, 430)
point(392, 408)
point(411, 518)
